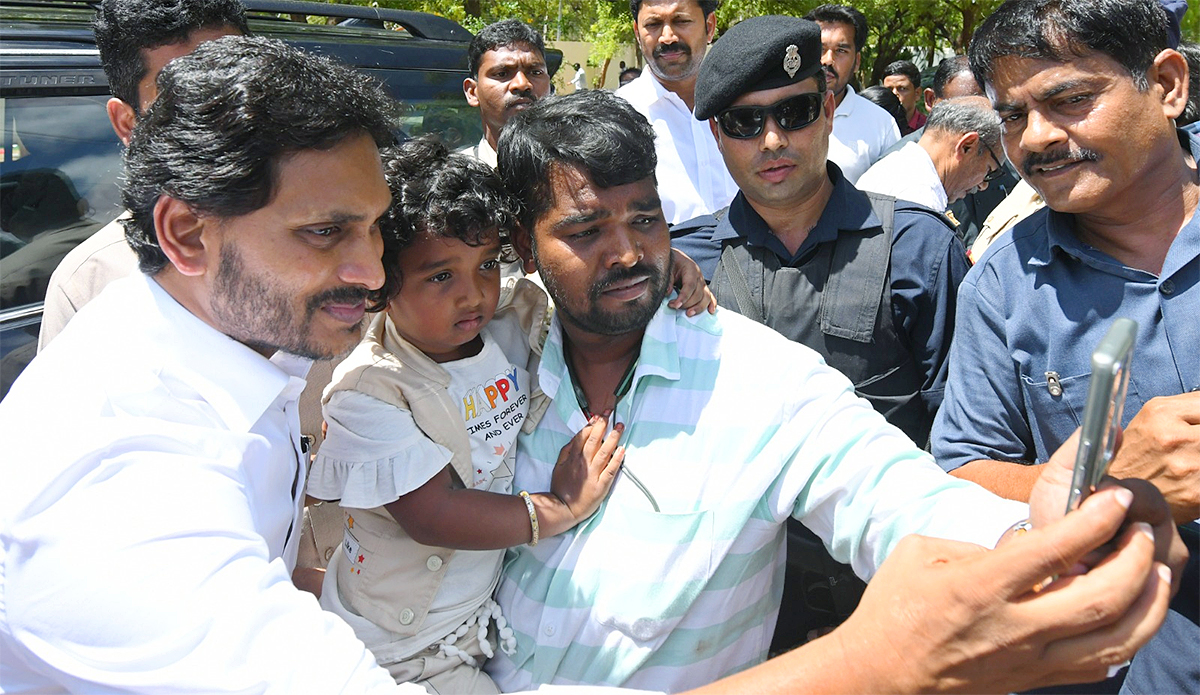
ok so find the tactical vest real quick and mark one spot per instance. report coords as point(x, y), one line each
point(838, 303)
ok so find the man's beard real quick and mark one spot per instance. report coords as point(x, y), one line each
point(262, 317)
point(594, 320)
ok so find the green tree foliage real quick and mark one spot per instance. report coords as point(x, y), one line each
point(917, 30)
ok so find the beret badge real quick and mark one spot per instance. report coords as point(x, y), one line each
point(791, 60)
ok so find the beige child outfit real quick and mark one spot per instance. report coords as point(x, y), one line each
point(396, 418)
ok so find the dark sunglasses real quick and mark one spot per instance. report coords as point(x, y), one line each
point(793, 113)
point(996, 173)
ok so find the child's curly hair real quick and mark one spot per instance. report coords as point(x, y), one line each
point(440, 193)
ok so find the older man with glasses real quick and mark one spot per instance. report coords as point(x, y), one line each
point(955, 156)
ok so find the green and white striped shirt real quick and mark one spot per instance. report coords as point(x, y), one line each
point(730, 429)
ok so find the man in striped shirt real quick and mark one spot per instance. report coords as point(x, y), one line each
point(730, 429)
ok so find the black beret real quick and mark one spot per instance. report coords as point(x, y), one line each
point(756, 54)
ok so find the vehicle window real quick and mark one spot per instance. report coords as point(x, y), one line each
point(433, 103)
point(58, 184)
point(59, 168)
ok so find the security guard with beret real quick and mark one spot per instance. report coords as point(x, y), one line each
point(869, 282)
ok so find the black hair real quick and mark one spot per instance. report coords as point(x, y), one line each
point(906, 68)
point(225, 117)
point(845, 15)
point(594, 130)
point(947, 70)
point(885, 99)
point(706, 6)
point(125, 28)
point(633, 73)
point(1191, 112)
point(1131, 32)
point(506, 32)
point(440, 193)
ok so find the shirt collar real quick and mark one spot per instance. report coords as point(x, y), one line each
point(239, 383)
point(659, 93)
point(658, 356)
point(846, 108)
point(847, 209)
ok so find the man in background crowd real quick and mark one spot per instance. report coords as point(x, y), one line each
point(507, 62)
point(952, 79)
point(861, 130)
point(673, 36)
point(136, 38)
point(904, 79)
point(955, 156)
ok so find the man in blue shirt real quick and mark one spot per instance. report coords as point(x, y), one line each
point(1088, 120)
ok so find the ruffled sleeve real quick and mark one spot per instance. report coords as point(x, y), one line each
point(373, 453)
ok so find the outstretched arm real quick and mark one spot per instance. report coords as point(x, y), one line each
point(954, 617)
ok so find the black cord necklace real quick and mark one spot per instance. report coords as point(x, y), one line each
point(618, 393)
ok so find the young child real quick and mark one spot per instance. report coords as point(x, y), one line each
point(422, 422)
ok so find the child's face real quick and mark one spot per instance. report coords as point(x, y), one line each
point(448, 294)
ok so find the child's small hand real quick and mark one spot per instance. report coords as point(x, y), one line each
point(587, 467)
point(694, 295)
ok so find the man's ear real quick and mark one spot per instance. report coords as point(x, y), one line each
point(470, 85)
point(710, 26)
point(966, 143)
point(929, 98)
point(857, 62)
point(122, 117)
point(716, 131)
point(1169, 73)
point(523, 245)
point(182, 235)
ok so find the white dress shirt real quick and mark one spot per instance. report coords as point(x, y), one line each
point(861, 132)
point(907, 174)
point(692, 178)
point(151, 502)
point(482, 151)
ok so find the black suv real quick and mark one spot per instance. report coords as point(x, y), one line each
point(61, 161)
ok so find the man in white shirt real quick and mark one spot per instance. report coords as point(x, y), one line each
point(507, 62)
point(154, 471)
point(861, 130)
point(956, 155)
point(673, 36)
point(579, 81)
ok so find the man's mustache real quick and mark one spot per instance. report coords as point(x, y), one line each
point(637, 271)
point(1058, 157)
point(672, 47)
point(337, 295)
point(513, 98)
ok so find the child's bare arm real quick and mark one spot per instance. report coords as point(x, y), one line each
point(441, 514)
point(694, 295)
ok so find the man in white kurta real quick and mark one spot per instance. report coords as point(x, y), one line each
point(861, 132)
point(692, 178)
point(673, 37)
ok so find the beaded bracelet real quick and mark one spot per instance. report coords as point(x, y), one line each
point(533, 520)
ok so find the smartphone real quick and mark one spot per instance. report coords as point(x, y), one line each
point(1102, 412)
